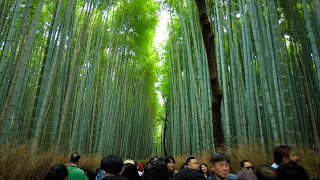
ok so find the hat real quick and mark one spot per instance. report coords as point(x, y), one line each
point(129, 161)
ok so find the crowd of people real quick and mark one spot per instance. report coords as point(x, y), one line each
point(112, 167)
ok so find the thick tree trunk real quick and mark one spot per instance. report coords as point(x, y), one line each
point(208, 38)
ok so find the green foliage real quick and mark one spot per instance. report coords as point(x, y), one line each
point(104, 74)
point(88, 75)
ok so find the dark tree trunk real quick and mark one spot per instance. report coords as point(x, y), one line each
point(165, 130)
point(208, 38)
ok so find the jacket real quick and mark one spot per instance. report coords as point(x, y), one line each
point(188, 174)
point(115, 178)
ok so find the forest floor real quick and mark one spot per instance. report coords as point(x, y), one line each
point(21, 163)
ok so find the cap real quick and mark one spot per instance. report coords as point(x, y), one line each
point(129, 161)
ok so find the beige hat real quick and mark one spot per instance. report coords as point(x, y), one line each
point(129, 161)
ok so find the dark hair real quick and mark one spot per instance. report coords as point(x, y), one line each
point(89, 173)
point(280, 152)
point(158, 171)
point(131, 172)
point(169, 159)
point(246, 174)
point(218, 157)
point(75, 157)
point(57, 172)
point(201, 168)
point(147, 167)
point(292, 171)
point(112, 164)
point(152, 160)
point(266, 173)
point(189, 159)
point(242, 162)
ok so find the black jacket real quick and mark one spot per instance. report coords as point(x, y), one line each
point(188, 174)
point(115, 178)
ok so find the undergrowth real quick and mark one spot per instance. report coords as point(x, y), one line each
point(21, 163)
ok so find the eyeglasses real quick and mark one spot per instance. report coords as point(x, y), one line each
point(249, 167)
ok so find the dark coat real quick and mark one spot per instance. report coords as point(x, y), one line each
point(188, 174)
point(115, 178)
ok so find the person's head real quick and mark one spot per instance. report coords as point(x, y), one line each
point(152, 160)
point(246, 165)
point(246, 175)
point(89, 173)
point(112, 164)
point(266, 173)
point(220, 165)
point(130, 170)
point(192, 163)
point(75, 157)
point(129, 161)
point(284, 155)
point(158, 171)
point(57, 172)
point(291, 171)
point(171, 163)
point(204, 168)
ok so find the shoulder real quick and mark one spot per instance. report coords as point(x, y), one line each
point(115, 178)
point(213, 177)
point(189, 174)
point(74, 171)
point(69, 166)
point(181, 172)
point(196, 174)
point(78, 170)
point(234, 176)
point(210, 178)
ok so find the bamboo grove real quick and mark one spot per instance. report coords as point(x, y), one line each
point(79, 75)
point(268, 68)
